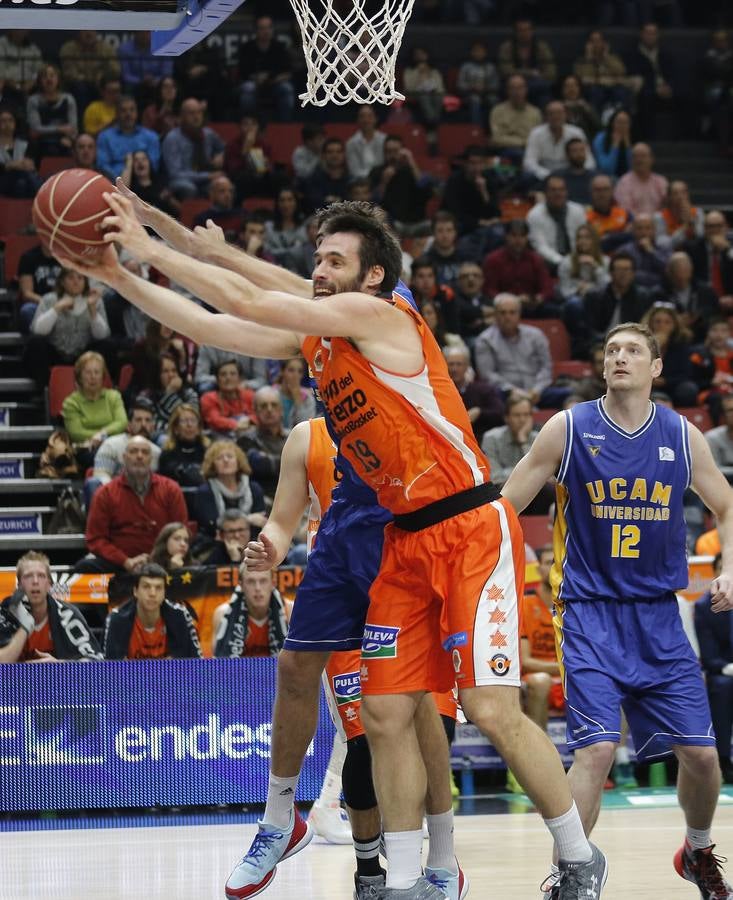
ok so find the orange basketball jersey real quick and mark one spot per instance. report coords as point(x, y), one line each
point(320, 468)
point(408, 436)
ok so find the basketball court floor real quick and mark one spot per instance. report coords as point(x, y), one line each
point(505, 854)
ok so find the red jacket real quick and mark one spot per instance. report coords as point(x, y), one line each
point(220, 413)
point(120, 525)
point(526, 275)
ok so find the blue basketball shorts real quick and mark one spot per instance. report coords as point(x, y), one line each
point(636, 655)
point(331, 605)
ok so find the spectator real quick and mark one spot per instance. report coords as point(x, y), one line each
point(657, 76)
point(602, 74)
point(717, 78)
point(674, 347)
point(641, 190)
point(623, 300)
point(426, 288)
point(254, 622)
point(525, 55)
point(712, 257)
point(251, 236)
point(266, 73)
point(128, 512)
point(228, 409)
point(478, 83)
point(18, 176)
point(150, 186)
point(512, 121)
point(513, 356)
point(20, 64)
point(483, 401)
point(720, 439)
point(303, 261)
point(92, 412)
point(202, 73)
point(469, 195)
point(612, 146)
point(170, 392)
point(142, 72)
point(84, 152)
point(401, 189)
point(185, 447)
point(434, 319)
point(192, 153)
point(38, 273)
point(712, 365)
point(714, 632)
point(247, 161)
point(253, 371)
point(116, 143)
point(52, 115)
point(517, 269)
point(649, 258)
point(99, 114)
point(85, 61)
point(695, 302)
point(577, 109)
point(223, 211)
point(307, 156)
point(67, 322)
point(443, 252)
point(285, 234)
point(163, 114)
point(678, 220)
point(330, 180)
point(471, 300)
point(365, 148)
point(128, 323)
point(149, 626)
point(424, 89)
point(610, 221)
point(593, 386)
point(586, 269)
point(545, 150)
point(227, 485)
point(298, 402)
point(576, 174)
point(232, 536)
point(172, 547)
point(554, 223)
point(147, 353)
point(263, 443)
point(35, 626)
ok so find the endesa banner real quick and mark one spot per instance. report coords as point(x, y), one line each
point(141, 734)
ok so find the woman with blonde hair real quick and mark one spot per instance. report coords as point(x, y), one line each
point(298, 402)
point(586, 268)
point(673, 339)
point(227, 486)
point(184, 448)
point(172, 547)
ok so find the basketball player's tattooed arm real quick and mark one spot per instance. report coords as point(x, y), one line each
point(710, 483)
point(538, 466)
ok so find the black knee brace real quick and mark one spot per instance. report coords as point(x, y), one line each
point(356, 776)
point(449, 723)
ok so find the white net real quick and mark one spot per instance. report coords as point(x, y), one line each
point(351, 49)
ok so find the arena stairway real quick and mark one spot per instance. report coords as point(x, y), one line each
point(699, 163)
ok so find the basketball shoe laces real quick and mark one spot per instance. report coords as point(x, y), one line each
point(440, 883)
point(707, 869)
point(260, 846)
point(569, 884)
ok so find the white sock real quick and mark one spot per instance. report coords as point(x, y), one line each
point(403, 858)
point(698, 838)
point(622, 756)
point(331, 790)
point(567, 830)
point(280, 800)
point(441, 853)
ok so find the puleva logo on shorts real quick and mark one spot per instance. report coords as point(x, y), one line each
point(379, 642)
point(347, 688)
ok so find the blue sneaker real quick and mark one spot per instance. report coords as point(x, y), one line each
point(256, 870)
point(453, 885)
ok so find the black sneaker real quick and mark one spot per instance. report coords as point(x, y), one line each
point(703, 868)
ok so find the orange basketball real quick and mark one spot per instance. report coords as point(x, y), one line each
point(68, 211)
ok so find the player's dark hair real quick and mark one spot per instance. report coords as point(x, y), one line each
point(637, 328)
point(150, 570)
point(378, 246)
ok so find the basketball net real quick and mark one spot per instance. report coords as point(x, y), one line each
point(350, 54)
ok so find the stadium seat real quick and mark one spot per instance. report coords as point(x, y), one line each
point(15, 215)
point(540, 416)
point(60, 384)
point(556, 334)
point(15, 246)
point(253, 203)
point(454, 138)
point(227, 131)
point(698, 415)
point(125, 377)
point(191, 208)
point(282, 138)
point(342, 130)
point(575, 368)
point(50, 165)
point(435, 166)
point(537, 530)
point(413, 136)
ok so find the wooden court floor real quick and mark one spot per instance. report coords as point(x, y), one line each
point(505, 857)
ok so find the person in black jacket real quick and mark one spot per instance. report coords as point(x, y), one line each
point(185, 446)
point(265, 72)
point(148, 626)
point(470, 194)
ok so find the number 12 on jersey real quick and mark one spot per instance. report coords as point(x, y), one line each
point(624, 540)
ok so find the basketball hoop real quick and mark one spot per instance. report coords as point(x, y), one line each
point(351, 49)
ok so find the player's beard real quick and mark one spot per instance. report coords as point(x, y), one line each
point(353, 286)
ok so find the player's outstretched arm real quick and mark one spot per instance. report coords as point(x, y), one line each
point(291, 499)
point(712, 486)
point(538, 466)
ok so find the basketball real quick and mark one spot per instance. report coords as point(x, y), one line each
point(68, 210)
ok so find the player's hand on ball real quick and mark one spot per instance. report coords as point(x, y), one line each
point(259, 556)
point(123, 228)
point(721, 593)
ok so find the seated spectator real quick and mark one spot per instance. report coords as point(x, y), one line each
point(227, 410)
point(649, 257)
point(511, 356)
point(142, 71)
point(695, 302)
point(254, 622)
point(223, 211)
point(329, 181)
point(128, 512)
point(483, 401)
point(443, 251)
point(641, 190)
point(577, 175)
point(285, 233)
point(172, 547)
point(185, 447)
point(192, 153)
point(51, 115)
point(298, 402)
point(678, 221)
point(265, 71)
point(126, 136)
point(67, 322)
point(128, 323)
point(424, 90)
point(38, 274)
point(263, 443)
point(85, 61)
point(365, 148)
point(232, 536)
point(577, 109)
point(401, 189)
point(657, 74)
point(163, 114)
point(202, 72)
point(526, 55)
point(426, 289)
point(20, 62)
point(18, 176)
point(92, 412)
point(545, 150)
point(149, 626)
point(593, 386)
point(717, 78)
point(472, 197)
point(146, 355)
point(471, 300)
point(253, 371)
point(35, 626)
point(610, 221)
point(602, 74)
point(227, 485)
point(247, 161)
point(434, 319)
point(303, 258)
point(612, 146)
point(554, 222)
point(251, 235)
point(150, 186)
point(712, 257)
point(586, 269)
point(516, 269)
point(307, 156)
point(714, 630)
point(478, 83)
point(100, 114)
point(512, 121)
point(623, 300)
point(720, 439)
point(712, 365)
point(675, 349)
point(170, 392)
point(84, 152)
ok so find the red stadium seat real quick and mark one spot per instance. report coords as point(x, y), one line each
point(191, 208)
point(436, 166)
point(227, 131)
point(15, 246)
point(413, 136)
point(15, 215)
point(540, 416)
point(698, 415)
point(575, 368)
point(282, 138)
point(50, 165)
point(253, 203)
point(60, 384)
point(556, 334)
point(537, 530)
point(454, 138)
point(342, 130)
point(125, 377)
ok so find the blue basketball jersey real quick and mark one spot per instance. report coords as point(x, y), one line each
point(619, 521)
